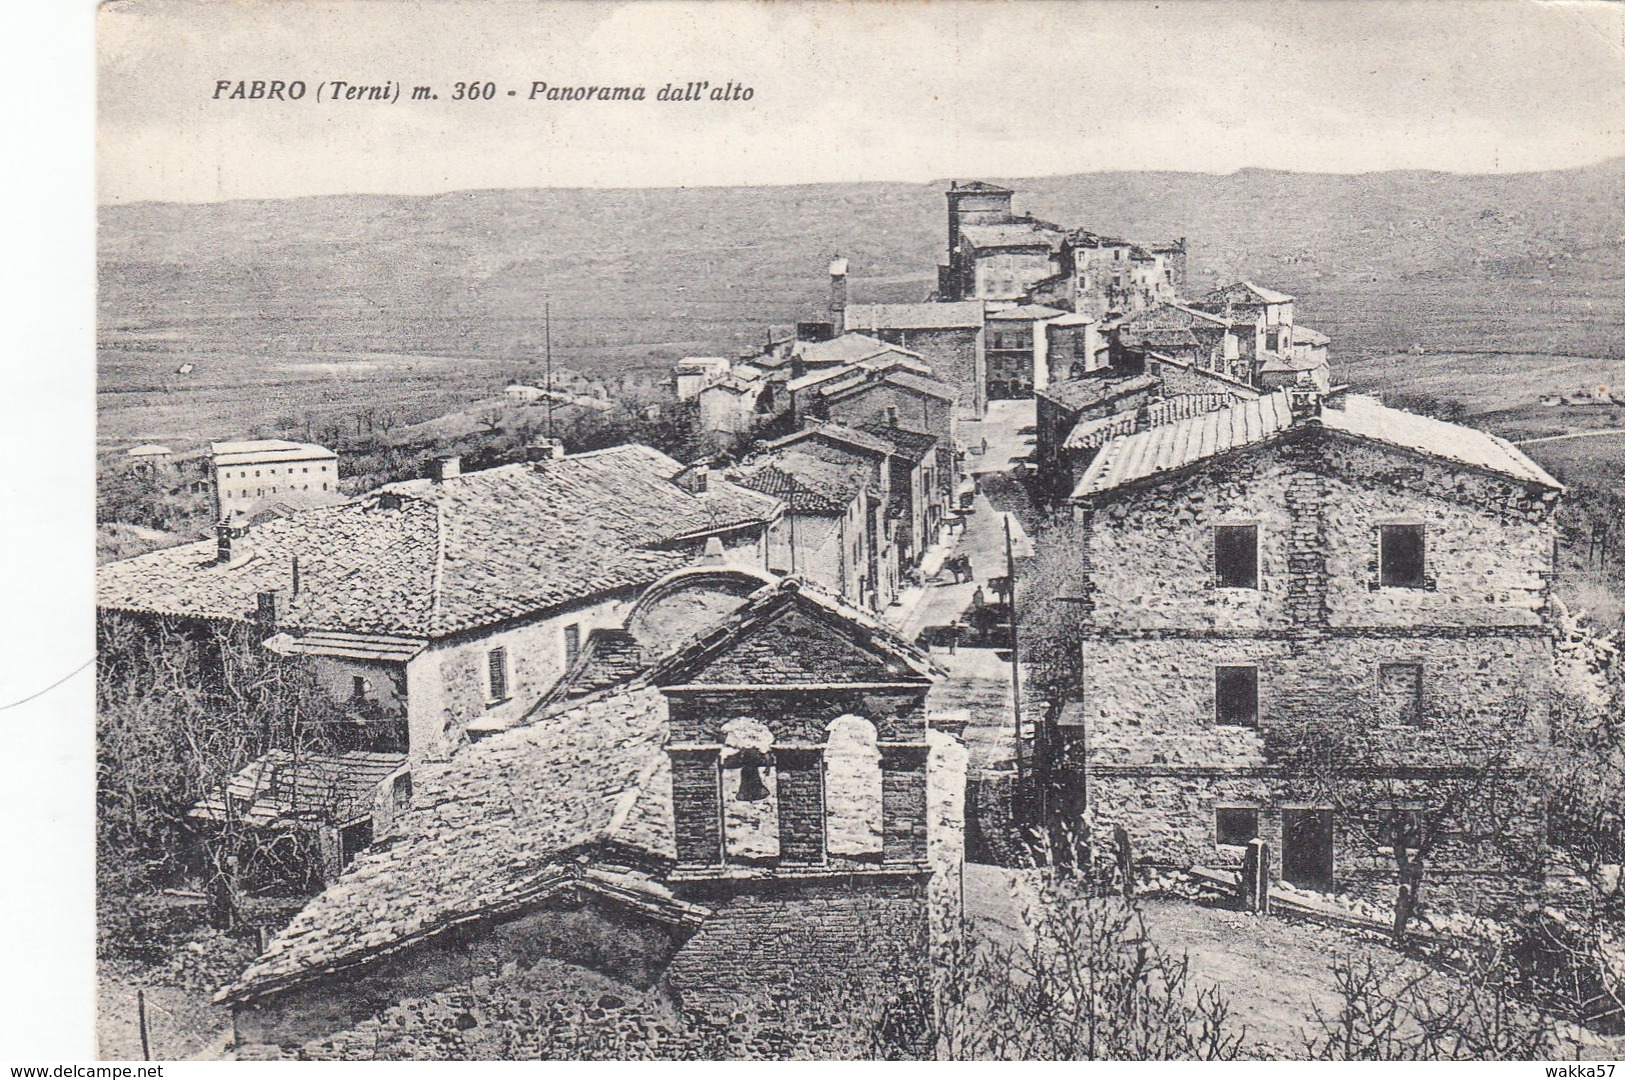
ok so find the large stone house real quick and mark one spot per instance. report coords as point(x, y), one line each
point(435, 611)
point(833, 531)
point(1318, 621)
point(753, 816)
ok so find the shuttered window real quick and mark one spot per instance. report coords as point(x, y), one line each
point(497, 664)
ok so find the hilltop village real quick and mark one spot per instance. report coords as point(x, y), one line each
point(1061, 565)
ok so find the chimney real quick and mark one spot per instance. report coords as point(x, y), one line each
point(272, 609)
point(231, 543)
point(837, 295)
point(714, 554)
point(442, 469)
point(544, 450)
point(891, 415)
point(700, 480)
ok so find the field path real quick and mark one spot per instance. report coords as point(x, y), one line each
point(1571, 435)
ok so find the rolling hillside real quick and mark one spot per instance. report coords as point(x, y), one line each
point(322, 303)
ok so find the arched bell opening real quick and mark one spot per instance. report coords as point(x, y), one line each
point(854, 804)
point(750, 792)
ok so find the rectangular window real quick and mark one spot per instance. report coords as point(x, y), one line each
point(572, 643)
point(1235, 700)
point(1399, 694)
point(1236, 825)
point(497, 668)
point(1235, 556)
point(1402, 556)
point(1403, 826)
point(358, 687)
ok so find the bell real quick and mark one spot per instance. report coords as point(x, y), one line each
point(750, 762)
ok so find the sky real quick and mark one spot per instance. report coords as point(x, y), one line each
point(907, 90)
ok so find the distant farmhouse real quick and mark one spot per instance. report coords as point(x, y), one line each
point(252, 475)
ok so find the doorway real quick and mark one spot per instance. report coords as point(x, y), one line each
point(1306, 848)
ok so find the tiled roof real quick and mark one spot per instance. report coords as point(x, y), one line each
point(608, 658)
point(1092, 434)
point(744, 649)
point(946, 316)
point(336, 787)
point(1075, 394)
point(1246, 292)
point(832, 431)
point(982, 187)
point(251, 451)
point(850, 374)
point(1169, 316)
point(846, 349)
point(910, 445)
point(921, 383)
point(1249, 423)
point(1303, 335)
point(425, 559)
point(1073, 318)
point(1014, 234)
point(1277, 362)
point(492, 827)
point(804, 484)
point(1026, 312)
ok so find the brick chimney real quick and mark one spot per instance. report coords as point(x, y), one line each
point(272, 609)
point(442, 469)
point(231, 543)
point(837, 295)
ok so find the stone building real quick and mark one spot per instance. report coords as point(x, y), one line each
point(259, 473)
point(1317, 621)
point(950, 337)
point(999, 256)
point(750, 820)
point(833, 529)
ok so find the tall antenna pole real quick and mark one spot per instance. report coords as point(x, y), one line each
point(1015, 654)
point(547, 351)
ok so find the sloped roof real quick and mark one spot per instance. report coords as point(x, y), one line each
point(425, 559)
point(908, 444)
point(982, 187)
point(149, 450)
point(337, 787)
point(1247, 292)
point(1092, 434)
point(492, 827)
point(1250, 423)
point(258, 451)
point(836, 432)
point(1278, 362)
point(921, 383)
point(957, 315)
point(764, 643)
point(846, 349)
point(806, 485)
point(1075, 394)
point(1169, 315)
point(1024, 312)
point(1013, 234)
point(1303, 335)
point(855, 372)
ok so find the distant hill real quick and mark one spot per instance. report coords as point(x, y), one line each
point(640, 274)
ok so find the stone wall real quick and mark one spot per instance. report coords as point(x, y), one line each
point(582, 931)
point(955, 356)
point(448, 685)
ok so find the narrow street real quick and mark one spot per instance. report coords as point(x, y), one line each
point(977, 691)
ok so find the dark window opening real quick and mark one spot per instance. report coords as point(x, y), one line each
point(359, 686)
point(497, 663)
point(402, 792)
point(1235, 556)
point(572, 643)
point(1402, 557)
point(1236, 695)
point(1236, 825)
point(1399, 699)
point(1404, 827)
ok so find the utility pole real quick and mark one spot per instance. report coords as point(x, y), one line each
point(1015, 654)
point(547, 352)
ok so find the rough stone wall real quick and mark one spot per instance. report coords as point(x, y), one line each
point(588, 933)
point(952, 354)
point(796, 716)
point(1319, 635)
point(815, 944)
point(448, 683)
